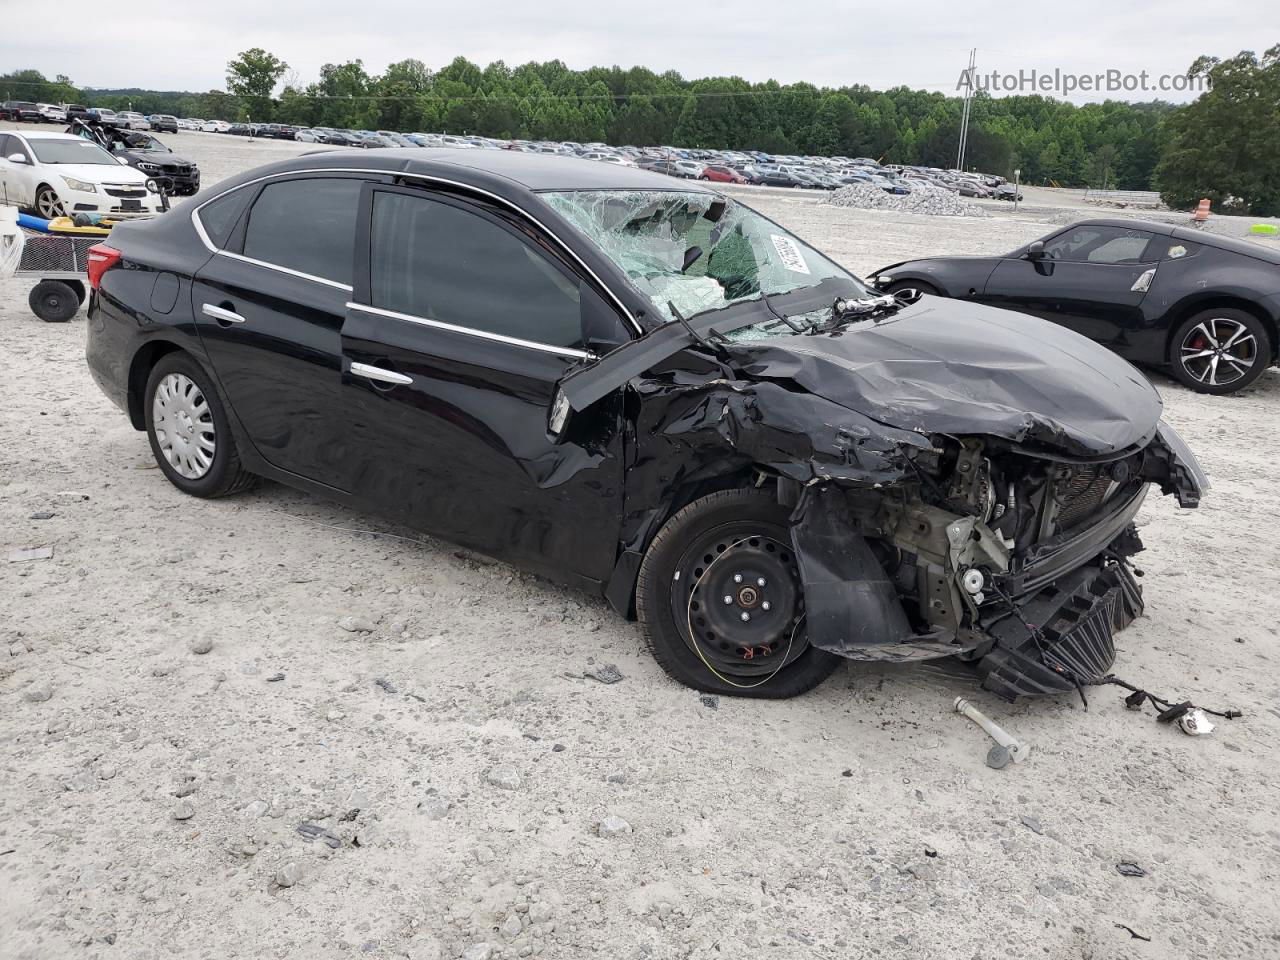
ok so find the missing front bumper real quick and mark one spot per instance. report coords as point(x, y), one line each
point(1065, 634)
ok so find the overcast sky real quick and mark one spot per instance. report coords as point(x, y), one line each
point(921, 43)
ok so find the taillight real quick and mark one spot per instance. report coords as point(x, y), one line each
point(101, 259)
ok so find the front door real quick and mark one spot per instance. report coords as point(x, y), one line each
point(269, 310)
point(1090, 278)
point(463, 325)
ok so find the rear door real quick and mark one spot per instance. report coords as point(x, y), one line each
point(269, 309)
point(1092, 278)
point(464, 319)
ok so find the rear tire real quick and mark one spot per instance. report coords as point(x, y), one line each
point(54, 301)
point(188, 430)
point(1200, 357)
point(716, 667)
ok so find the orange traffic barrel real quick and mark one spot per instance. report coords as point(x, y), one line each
point(1202, 211)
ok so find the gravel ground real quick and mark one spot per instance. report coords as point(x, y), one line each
point(433, 714)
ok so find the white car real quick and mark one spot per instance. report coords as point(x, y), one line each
point(57, 174)
point(128, 120)
point(216, 126)
point(52, 113)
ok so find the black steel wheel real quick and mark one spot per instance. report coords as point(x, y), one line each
point(721, 601)
point(53, 301)
point(1220, 350)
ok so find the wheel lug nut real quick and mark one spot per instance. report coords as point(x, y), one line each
point(760, 582)
point(737, 578)
point(765, 606)
point(745, 616)
point(728, 599)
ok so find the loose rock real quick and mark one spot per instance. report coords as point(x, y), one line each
point(503, 777)
point(201, 645)
point(477, 951)
point(612, 826)
point(38, 692)
point(289, 874)
point(356, 625)
point(434, 808)
point(184, 810)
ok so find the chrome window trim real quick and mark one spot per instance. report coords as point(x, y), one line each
point(472, 332)
point(279, 269)
point(431, 178)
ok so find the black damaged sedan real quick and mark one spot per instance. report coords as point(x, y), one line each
point(646, 390)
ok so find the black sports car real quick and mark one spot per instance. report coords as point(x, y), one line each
point(1205, 307)
point(647, 390)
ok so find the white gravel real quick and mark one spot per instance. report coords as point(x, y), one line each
point(754, 830)
point(924, 199)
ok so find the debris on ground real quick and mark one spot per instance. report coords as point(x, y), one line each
point(1127, 868)
point(609, 673)
point(1032, 824)
point(1008, 747)
point(30, 553)
point(924, 199)
point(1133, 934)
point(313, 831)
point(43, 515)
point(38, 692)
point(710, 701)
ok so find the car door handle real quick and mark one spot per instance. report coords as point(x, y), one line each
point(379, 373)
point(221, 313)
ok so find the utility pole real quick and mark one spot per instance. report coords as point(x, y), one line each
point(970, 77)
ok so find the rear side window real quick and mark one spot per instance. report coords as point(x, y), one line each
point(306, 225)
point(219, 217)
point(437, 261)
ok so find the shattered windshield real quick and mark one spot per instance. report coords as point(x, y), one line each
point(696, 251)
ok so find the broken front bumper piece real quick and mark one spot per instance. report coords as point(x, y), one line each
point(1046, 626)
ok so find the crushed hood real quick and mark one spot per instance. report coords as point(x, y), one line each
point(946, 366)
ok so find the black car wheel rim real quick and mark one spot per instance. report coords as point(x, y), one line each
point(738, 602)
point(1218, 352)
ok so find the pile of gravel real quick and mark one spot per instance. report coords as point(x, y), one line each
point(924, 198)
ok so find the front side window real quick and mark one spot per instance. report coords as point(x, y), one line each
point(1098, 244)
point(306, 225)
point(695, 251)
point(70, 151)
point(433, 259)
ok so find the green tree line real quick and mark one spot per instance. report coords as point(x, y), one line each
point(1133, 146)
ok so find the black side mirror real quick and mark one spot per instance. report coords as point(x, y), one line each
point(1036, 250)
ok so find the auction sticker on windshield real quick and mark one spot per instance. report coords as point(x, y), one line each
point(790, 253)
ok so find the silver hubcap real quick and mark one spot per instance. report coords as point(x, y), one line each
point(1219, 351)
point(183, 425)
point(48, 204)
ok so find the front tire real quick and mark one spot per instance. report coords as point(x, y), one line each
point(911, 289)
point(188, 430)
point(1220, 350)
point(48, 205)
point(732, 544)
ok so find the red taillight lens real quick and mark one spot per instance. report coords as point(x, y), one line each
point(101, 259)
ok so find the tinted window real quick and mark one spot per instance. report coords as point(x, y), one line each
point(1095, 244)
point(434, 260)
point(219, 217)
point(306, 225)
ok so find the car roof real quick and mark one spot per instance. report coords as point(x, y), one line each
point(505, 170)
point(1245, 248)
point(41, 135)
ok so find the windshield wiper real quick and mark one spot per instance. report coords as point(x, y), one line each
point(716, 349)
point(795, 327)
